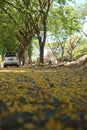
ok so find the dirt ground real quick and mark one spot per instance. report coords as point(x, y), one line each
point(43, 98)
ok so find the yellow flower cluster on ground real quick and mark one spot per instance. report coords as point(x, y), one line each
point(43, 98)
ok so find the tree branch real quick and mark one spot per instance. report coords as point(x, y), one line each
point(9, 15)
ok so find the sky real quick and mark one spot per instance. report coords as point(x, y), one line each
point(80, 1)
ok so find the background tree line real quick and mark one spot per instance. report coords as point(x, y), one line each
point(27, 25)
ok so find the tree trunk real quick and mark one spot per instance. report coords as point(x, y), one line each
point(29, 53)
point(41, 53)
point(62, 54)
point(23, 54)
point(71, 56)
point(42, 40)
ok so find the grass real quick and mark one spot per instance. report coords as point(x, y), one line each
point(43, 98)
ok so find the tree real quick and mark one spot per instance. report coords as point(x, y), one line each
point(39, 22)
point(24, 31)
point(8, 41)
point(35, 12)
point(66, 25)
point(31, 18)
point(72, 44)
point(81, 49)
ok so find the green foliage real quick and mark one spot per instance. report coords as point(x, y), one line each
point(7, 36)
point(2, 4)
point(81, 49)
point(66, 25)
point(21, 20)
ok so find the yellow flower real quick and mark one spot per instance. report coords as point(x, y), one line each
point(54, 125)
point(29, 126)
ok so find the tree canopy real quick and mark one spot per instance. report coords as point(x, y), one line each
point(22, 21)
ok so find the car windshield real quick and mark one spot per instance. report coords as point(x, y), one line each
point(10, 54)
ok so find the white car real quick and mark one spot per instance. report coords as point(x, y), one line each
point(11, 59)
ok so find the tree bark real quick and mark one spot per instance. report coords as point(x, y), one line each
point(41, 53)
point(29, 53)
point(23, 54)
point(62, 53)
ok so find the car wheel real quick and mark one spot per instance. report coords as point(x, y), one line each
point(5, 66)
point(17, 65)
